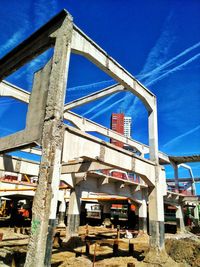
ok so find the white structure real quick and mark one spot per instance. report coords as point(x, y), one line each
point(127, 126)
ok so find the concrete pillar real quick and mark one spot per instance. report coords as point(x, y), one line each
point(53, 79)
point(61, 215)
point(176, 177)
point(180, 219)
point(143, 214)
point(73, 217)
point(196, 215)
point(153, 134)
point(62, 210)
point(19, 177)
point(156, 213)
point(156, 205)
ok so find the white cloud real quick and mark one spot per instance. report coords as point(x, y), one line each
point(176, 139)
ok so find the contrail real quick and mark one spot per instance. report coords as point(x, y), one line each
point(90, 85)
point(157, 70)
point(171, 61)
point(12, 41)
point(179, 67)
point(181, 136)
point(6, 130)
point(104, 110)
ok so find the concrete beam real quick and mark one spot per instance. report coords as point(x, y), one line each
point(90, 126)
point(33, 150)
point(82, 44)
point(81, 145)
point(96, 185)
point(33, 46)
point(94, 96)
point(10, 90)
point(83, 166)
point(18, 165)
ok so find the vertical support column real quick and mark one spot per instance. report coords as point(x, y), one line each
point(19, 177)
point(73, 217)
point(153, 134)
point(45, 200)
point(156, 205)
point(62, 212)
point(176, 177)
point(196, 215)
point(143, 213)
point(180, 226)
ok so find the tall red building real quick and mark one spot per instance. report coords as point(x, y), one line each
point(117, 125)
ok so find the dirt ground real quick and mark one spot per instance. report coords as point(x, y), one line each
point(182, 250)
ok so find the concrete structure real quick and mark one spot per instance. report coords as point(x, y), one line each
point(70, 153)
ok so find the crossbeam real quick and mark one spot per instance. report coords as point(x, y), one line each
point(94, 96)
point(18, 165)
point(8, 89)
point(81, 145)
point(83, 45)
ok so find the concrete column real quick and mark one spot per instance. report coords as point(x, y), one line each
point(143, 214)
point(153, 134)
point(73, 217)
point(19, 177)
point(176, 177)
point(196, 215)
point(156, 212)
point(156, 205)
point(53, 79)
point(62, 210)
point(180, 219)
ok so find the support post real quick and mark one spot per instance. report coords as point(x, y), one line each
point(62, 211)
point(180, 226)
point(73, 217)
point(176, 177)
point(196, 215)
point(156, 204)
point(45, 200)
point(143, 213)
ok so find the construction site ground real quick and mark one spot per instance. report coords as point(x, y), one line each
point(182, 249)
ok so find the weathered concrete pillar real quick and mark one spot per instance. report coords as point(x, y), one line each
point(53, 79)
point(19, 177)
point(73, 217)
point(196, 215)
point(156, 205)
point(180, 226)
point(143, 213)
point(156, 218)
point(62, 213)
point(176, 177)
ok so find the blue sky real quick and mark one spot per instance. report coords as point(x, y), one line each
point(156, 41)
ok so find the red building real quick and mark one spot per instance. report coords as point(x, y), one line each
point(117, 125)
